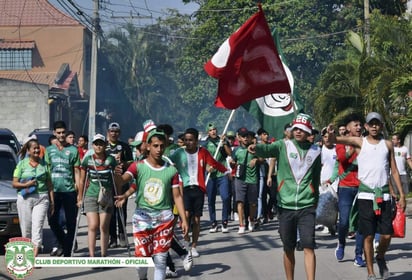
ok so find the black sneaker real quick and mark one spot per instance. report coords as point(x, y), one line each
point(54, 251)
point(213, 228)
point(383, 269)
point(225, 229)
point(122, 240)
point(112, 244)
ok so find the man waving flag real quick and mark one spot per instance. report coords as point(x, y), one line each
point(247, 65)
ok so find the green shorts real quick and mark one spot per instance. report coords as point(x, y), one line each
point(91, 205)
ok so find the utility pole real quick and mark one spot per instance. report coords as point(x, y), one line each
point(93, 72)
point(367, 26)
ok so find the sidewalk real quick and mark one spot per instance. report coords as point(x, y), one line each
point(255, 255)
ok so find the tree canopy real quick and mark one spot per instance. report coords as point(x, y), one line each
point(158, 68)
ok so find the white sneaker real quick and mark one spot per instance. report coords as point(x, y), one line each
point(213, 229)
point(194, 252)
point(375, 246)
point(325, 230)
point(236, 216)
point(251, 226)
point(241, 230)
point(187, 261)
point(170, 273)
point(225, 228)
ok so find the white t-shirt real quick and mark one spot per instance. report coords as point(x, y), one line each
point(401, 155)
point(328, 158)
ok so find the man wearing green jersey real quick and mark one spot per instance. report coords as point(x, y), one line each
point(63, 160)
point(299, 166)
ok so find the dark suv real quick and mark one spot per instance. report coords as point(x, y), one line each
point(9, 219)
point(7, 137)
point(43, 135)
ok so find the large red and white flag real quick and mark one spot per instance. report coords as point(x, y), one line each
point(247, 65)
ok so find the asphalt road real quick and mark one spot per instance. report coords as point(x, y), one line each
point(255, 255)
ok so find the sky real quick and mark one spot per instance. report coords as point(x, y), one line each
point(116, 12)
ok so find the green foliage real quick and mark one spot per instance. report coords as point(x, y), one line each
point(158, 69)
point(383, 78)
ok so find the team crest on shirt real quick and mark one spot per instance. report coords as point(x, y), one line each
point(153, 191)
point(309, 159)
point(67, 153)
point(293, 155)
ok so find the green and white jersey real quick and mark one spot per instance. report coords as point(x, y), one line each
point(154, 185)
point(98, 170)
point(243, 157)
point(211, 146)
point(299, 166)
point(62, 164)
point(25, 171)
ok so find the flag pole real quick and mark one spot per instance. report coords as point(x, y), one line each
point(221, 141)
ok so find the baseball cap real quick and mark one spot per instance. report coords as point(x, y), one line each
point(27, 139)
point(137, 139)
point(114, 126)
point(210, 126)
point(148, 125)
point(303, 122)
point(243, 131)
point(154, 132)
point(373, 115)
point(230, 134)
point(99, 137)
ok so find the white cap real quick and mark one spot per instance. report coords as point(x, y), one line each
point(99, 137)
point(27, 139)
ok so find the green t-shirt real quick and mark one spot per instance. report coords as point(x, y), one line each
point(24, 171)
point(154, 185)
point(102, 172)
point(211, 146)
point(242, 156)
point(62, 164)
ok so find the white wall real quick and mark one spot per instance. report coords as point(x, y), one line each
point(24, 107)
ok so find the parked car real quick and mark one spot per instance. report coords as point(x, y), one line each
point(9, 219)
point(43, 135)
point(7, 137)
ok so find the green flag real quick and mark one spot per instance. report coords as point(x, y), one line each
point(275, 110)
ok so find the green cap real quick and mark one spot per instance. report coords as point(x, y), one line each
point(155, 132)
point(230, 133)
point(210, 126)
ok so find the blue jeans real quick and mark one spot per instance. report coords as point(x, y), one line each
point(345, 201)
point(262, 198)
point(159, 269)
point(212, 186)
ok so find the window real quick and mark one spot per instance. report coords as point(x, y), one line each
point(15, 59)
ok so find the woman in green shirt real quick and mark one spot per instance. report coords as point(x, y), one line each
point(97, 167)
point(35, 194)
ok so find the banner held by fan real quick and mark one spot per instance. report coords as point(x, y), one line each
point(247, 65)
